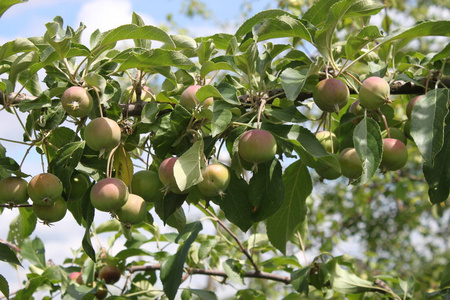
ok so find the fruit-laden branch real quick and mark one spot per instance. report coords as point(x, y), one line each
point(135, 109)
point(219, 273)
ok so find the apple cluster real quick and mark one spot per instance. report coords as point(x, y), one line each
point(331, 95)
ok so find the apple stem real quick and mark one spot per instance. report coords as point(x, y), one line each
point(99, 102)
point(385, 122)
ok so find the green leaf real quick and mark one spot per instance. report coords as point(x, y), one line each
point(142, 43)
point(8, 165)
point(438, 175)
point(424, 28)
point(445, 277)
point(153, 58)
point(30, 288)
point(16, 46)
point(427, 123)
point(369, 146)
point(187, 169)
point(203, 294)
point(4, 287)
point(7, 255)
point(266, 190)
point(210, 66)
point(222, 117)
point(167, 206)
point(407, 286)
point(293, 82)
point(298, 186)
point(324, 36)
point(365, 36)
point(95, 80)
point(149, 113)
point(282, 26)
point(300, 280)
point(65, 161)
point(6, 4)
point(21, 64)
point(59, 137)
point(172, 267)
point(132, 31)
point(33, 250)
point(247, 26)
point(236, 204)
point(287, 114)
point(22, 226)
point(233, 270)
point(345, 282)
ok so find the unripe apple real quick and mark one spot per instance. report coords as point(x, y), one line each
point(76, 276)
point(167, 176)
point(51, 213)
point(189, 101)
point(374, 93)
point(351, 166)
point(44, 189)
point(411, 104)
point(395, 155)
point(356, 108)
point(330, 95)
point(216, 179)
point(328, 140)
point(102, 134)
point(109, 194)
point(76, 101)
point(328, 173)
point(79, 183)
point(146, 95)
point(147, 184)
point(395, 134)
point(110, 274)
point(134, 211)
point(13, 190)
point(257, 146)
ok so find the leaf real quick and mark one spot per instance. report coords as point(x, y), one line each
point(423, 28)
point(438, 175)
point(407, 286)
point(210, 66)
point(356, 43)
point(142, 43)
point(445, 277)
point(287, 114)
point(7, 255)
point(30, 288)
point(324, 36)
point(298, 186)
point(369, 146)
point(172, 267)
point(167, 206)
point(22, 226)
point(123, 165)
point(258, 18)
point(18, 45)
point(95, 80)
point(65, 161)
point(233, 270)
point(293, 82)
point(149, 113)
point(345, 282)
point(187, 169)
point(427, 123)
point(266, 190)
point(203, 294)
point(153, 58)
point(222, 117)
point(132, 31)
point(300, 280)
point(4, 287)
point(236, 204)
point(282, 26)
point(33, 250)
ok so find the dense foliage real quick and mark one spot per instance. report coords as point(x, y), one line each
point(285, 153)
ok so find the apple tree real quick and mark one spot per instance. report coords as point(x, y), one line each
point(287, 138)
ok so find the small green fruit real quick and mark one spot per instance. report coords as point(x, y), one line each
point(13, 190)
point(167, 176)
point(356, 109)
point(257, 146)
point(216, 179)
point(51, 213)
point(147, 185)
point(411, 104)
point(189, 101)
point(109, 194)
point(395, 133)
point(328, 140)
point(102, 134)
point(330, 95)
point(44, 189)
point(374, 93)
point(395, 155)
point(134, 211)
point(351, 166)
point(110, 274)
point(77, 102)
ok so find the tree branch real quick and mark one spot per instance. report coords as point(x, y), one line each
point(135, 109)
point(219, 273)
